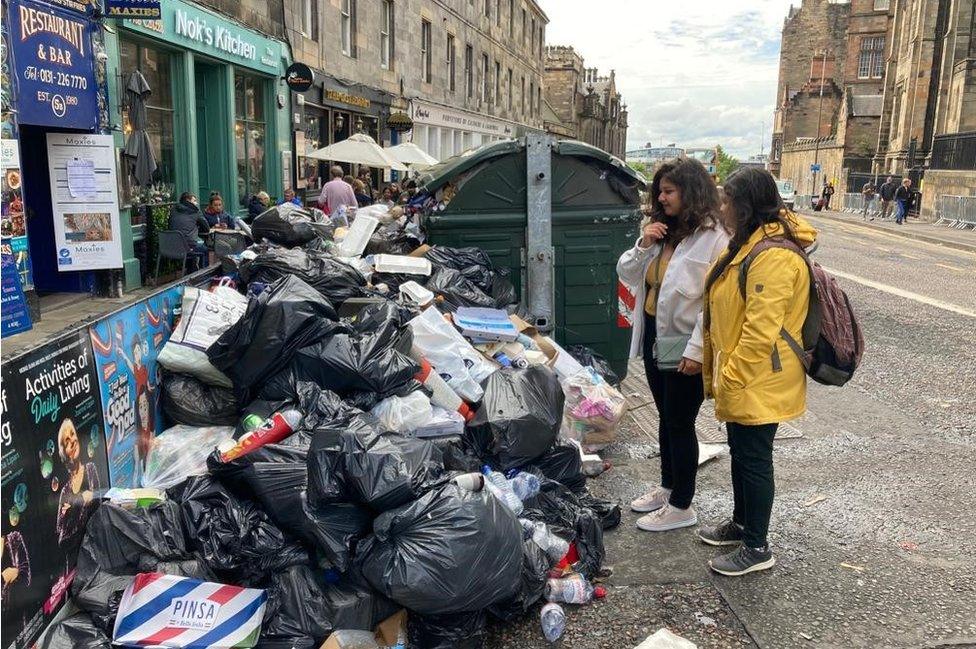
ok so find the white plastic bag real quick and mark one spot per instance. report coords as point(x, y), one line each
point(206, 315)
point(458, 363)
point(404, 414)
point(181, 451)
point(592, 411)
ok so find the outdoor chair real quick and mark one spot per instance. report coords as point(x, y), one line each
point(173, 245)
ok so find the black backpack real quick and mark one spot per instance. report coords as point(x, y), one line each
point(832, 343)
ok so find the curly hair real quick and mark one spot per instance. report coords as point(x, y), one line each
point(700, 203)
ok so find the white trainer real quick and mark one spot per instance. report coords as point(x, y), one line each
point(653, 500)
point(667, 518)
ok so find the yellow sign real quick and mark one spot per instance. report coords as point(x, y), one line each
point(346, 98)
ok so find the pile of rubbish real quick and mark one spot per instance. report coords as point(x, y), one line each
point(369, 448)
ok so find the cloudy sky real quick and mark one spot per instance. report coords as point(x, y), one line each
point(692, 72)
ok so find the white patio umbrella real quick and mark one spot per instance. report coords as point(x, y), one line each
point(412, 155)
point(358, 149)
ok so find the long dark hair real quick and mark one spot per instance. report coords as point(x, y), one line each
point(700, 203)
point(754, 201)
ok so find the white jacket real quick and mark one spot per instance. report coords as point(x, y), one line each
point(679, 303)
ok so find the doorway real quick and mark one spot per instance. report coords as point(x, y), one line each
point(213, 126)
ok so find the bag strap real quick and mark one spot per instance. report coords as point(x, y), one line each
point(782, 242)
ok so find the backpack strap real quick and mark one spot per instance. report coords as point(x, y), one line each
point(782, 242)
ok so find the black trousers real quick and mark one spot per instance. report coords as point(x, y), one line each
point(752, 479)
point(678, 398)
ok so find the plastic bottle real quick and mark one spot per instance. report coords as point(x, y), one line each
point(574, 589)
point(554, 547)
point(553, 621)
point(442, 394)
point(525, 485)
point(502, 490)
point(274, 429)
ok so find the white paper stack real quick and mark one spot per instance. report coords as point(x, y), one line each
point(485, 325)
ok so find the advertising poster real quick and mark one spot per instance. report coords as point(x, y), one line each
point(14, 314)
point(84, 195)
point(53, 65)
point(13, 226)
point(126, 346)
point(54, 464)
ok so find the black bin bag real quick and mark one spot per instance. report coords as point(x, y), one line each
point(284, 226)
point(450, 550)
point(563, 464)
point(336, 280)
point(457, 289)
point(275, 325)
point(519, 417)
point(570, 519)
point(388, 470)
point(535, 573)
point(447, 631)
point(337, 528)
point(235, 537)
point(326, 469)
point(118, 544)
point(297, 615)
point(188, 400)
point(589, 358)
point(75, 632)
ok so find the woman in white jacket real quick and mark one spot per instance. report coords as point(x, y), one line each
point(666, 269)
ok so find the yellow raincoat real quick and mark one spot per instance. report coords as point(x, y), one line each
point(738, 368)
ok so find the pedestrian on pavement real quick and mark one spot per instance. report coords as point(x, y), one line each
point(903, 198)
point(887, 193)
point(867, 197)
point(186, 218)
point(362, 198)
point(826, 193)
point(336, 193)
point(666, 270)
point(754, 389)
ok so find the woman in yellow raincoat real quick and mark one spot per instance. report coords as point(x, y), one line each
point(755, 378)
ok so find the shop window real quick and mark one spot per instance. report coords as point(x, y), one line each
point(155, 66)
point(309, 170)
point(451, 54)
point(386, 35)
point(425, 53)
point(347, 27)
point(250, 135)
point(469, 71)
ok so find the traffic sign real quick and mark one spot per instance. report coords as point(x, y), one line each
point(814, 168)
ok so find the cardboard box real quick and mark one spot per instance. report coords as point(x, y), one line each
point(386, 633)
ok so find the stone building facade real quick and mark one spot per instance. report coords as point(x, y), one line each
point(582, 104)
point(465, 72)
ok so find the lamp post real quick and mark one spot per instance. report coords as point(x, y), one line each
point(816, 142)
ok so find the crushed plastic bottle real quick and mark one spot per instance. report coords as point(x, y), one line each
point(574, 589)
point(553, 621)
point(525, 485)
point(554, 546)
point(502, 489)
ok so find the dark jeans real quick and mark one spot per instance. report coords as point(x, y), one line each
point(752, 479)
point(678, 398)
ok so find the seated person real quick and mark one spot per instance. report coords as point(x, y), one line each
point(387, 198)
point(215, 214)
point(187, 219)
point(258, 204)
point(362, 197)
point(291, 197)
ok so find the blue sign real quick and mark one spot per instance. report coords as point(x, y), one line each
point(815, 168)
point(16, 316)
point(53, 64)
point(148, 9)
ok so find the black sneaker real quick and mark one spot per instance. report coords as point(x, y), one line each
point(727, 533)
point(743, 560)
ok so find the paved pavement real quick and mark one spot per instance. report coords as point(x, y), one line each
point(873, 521)
point(911, 229)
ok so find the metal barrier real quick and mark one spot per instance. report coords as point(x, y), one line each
point(956, 211)
point(803, 201)
point(854, 204)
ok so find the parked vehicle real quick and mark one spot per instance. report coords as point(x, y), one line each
point(787, 192)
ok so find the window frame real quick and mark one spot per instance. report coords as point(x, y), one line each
point(531, 97)
point(870, 58)
point(451, 61)
point(510, 88)
point(469, 70)
point(426, 55)
point(388, 22)
point(347, 27)
point(310, 19)
point(485, 80)
point(497, 98)
point(532, 36)
point(882, 5)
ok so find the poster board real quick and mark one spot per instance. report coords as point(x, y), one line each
point(54, 461)
point(13, 224)
point(126, 345)
point(85, 201)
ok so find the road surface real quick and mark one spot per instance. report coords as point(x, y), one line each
point(875, 515)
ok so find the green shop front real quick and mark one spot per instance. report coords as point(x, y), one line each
point(217, 114)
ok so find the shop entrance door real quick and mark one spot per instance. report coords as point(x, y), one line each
point(213, 132)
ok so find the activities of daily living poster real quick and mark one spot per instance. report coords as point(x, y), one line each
point(84, 193)
point(126, 346)
point(54, 464)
